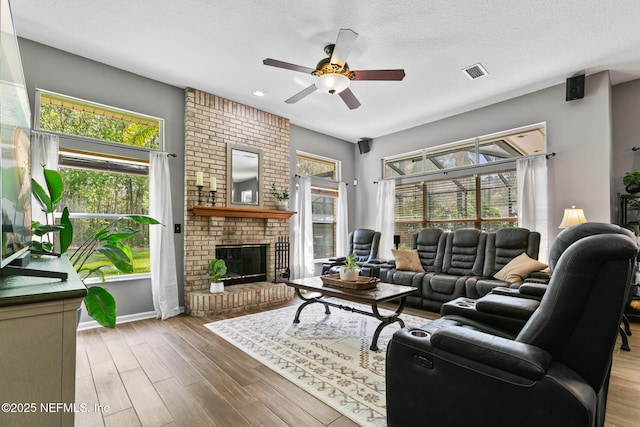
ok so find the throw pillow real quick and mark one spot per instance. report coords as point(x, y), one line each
point(407, 260)
point(519, 268)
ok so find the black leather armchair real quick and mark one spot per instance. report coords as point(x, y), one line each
point(456, 371)
point(364, 243)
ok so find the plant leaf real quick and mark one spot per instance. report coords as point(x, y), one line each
point(41, 196)
point(100, 234)
point(42, 229)
point(121, 246)
point(101, 306)
point(116, 237)
point(143, 219)
point(97, 271)
point(66, 234)
point(54, 185)
point(118, 257)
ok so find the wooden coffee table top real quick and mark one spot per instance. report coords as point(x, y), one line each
point(382, 292)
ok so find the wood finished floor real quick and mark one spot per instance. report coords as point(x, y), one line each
point(178, 373)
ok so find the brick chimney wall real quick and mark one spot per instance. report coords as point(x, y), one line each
point(211, 123)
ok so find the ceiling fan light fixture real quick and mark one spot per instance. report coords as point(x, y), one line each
point(332, 83)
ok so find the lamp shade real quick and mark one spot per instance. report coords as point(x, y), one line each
point(332, 83)
point(572, 216)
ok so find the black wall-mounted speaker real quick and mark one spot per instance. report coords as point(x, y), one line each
point(575, 87)
point(363, 145)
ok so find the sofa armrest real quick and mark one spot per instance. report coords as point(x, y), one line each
point(337, 260)
point(501, 353)
point(542, 276)
point(377, 261)
point(517, 293)
point(536, 290)
point(508, 306)
point(390, 263)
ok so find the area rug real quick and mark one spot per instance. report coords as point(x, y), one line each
point(326, 355)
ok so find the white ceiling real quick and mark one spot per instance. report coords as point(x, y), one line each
point(218, 46)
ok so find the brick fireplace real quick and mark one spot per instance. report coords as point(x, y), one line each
point(211, 123)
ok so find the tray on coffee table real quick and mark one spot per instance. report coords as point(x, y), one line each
point(361, 282)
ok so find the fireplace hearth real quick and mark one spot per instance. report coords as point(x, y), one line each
point(245, 263)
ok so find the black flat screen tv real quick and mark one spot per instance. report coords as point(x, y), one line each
point(15, 153)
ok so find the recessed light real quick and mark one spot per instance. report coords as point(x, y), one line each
point(258, 93)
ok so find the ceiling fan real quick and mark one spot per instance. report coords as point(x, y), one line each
point(333, 72)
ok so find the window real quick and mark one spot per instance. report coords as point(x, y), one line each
point(471, 183)
point(101, 186)
point(486, 201)
point(484, 150)
point(324, 193)
point(72, 116)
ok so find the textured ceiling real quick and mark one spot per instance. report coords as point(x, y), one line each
point(218, 46)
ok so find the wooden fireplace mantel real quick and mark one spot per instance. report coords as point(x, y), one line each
point(241, 212)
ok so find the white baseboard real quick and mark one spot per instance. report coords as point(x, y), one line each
point(92, 324)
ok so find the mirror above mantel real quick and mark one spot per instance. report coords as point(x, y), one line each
point(244, 176)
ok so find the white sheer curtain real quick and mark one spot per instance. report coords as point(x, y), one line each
point(532, 199)
point(44, 154)
point(302, 230)
point(164, 280)
point(342, 221)
point(385, 219)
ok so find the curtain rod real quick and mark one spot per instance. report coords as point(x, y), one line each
point(322, 179)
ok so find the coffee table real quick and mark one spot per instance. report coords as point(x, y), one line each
point(372, 297)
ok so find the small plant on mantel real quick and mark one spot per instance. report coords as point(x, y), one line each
point(280, 195)
point(108, 241)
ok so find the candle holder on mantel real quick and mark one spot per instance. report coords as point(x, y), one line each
point(200, 187)
point(212, 193)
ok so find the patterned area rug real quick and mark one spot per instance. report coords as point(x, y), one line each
point(326, 355)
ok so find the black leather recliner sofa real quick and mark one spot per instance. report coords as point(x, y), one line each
point(461, 263)
point(456, 371)
point(510, 308)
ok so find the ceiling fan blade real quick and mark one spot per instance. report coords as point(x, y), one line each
point(304, 92)
point(350, 99)
point(378, 74)
point(344, 44)
point(287, 66)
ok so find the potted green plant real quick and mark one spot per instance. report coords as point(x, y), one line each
point(350, 270)
point(217, 269)
point(282, 197)
point(631, 180)
point(108, 240)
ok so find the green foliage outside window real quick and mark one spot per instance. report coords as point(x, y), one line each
point(74, 121)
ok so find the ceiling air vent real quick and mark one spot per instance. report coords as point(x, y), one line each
point(475, 71)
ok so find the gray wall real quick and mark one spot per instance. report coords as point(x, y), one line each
point(58, 71)
point(579, 132)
